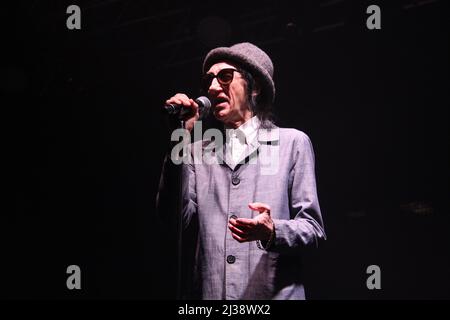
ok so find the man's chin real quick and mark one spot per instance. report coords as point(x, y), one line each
point(220, 115)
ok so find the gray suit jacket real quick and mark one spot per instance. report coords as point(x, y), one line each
point(278, 170)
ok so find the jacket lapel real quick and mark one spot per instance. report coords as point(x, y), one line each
point(265, 137)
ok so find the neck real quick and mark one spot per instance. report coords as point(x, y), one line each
point(240, 121)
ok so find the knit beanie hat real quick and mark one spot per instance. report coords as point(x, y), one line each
point(249, 57)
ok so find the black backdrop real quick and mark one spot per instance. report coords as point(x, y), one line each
point(84, 138)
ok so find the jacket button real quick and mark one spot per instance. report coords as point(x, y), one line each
point(233, 216)
point(235, 181)
point(231, 259)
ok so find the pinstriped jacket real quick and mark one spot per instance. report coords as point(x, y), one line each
point(277, 169)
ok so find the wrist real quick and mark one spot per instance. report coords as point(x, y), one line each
point(266, 244)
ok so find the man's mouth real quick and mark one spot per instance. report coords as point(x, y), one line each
point(220, 102)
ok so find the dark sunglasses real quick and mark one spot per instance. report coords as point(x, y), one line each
point(224, 77)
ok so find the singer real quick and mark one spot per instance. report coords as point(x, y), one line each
point(252, 224)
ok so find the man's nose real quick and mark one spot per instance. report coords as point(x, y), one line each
point(215, 86)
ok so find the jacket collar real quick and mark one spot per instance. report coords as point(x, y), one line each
point(264, 137)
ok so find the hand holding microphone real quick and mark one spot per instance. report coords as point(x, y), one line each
point(187, 109)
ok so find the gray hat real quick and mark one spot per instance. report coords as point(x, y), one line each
point(249, 57)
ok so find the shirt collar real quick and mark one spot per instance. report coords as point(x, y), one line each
point(249, 129)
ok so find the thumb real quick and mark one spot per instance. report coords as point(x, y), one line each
point(259, 206)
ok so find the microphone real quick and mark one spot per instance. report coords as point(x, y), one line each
point(204, 105)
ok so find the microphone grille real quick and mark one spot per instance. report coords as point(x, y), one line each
point(204, 105)
point(204, 102)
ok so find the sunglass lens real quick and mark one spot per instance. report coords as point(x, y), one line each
point(225, 76)
point(206, 81)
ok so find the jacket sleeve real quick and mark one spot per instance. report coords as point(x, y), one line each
point(175, 179)
point(189, 194)
point(305, 228)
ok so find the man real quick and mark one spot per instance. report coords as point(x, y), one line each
point(253, 223)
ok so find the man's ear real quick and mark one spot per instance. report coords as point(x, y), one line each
point(256, 90)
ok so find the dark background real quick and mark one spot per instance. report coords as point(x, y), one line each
point(84, 140)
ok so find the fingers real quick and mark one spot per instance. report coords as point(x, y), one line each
point(189, 112)
point(237, 231)
point(179, 98)
point(259, 206)
point(243, 229)
point(244, 223)
point(243, 236)
point(238, 238)
point(194, 104)
point(182, 100)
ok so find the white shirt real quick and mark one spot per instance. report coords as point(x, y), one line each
point(239, 138)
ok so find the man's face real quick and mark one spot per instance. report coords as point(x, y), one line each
point(229, 102)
